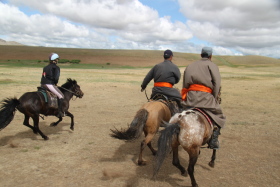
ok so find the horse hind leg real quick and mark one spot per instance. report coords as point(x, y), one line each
point(26, 123)
point(176, 161)
point(36, 127)
point(147, 141)
point(154, 152)
point(193, 156)
point(213, 158)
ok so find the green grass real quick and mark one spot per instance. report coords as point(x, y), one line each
point(37, 147)
point(6, 81)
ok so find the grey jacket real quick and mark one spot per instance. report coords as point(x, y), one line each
point(204, 72)
point(164, 72)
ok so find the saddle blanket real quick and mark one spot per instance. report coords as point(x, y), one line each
point(49, 97)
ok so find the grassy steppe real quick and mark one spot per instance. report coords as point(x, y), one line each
point(249, 153)
point(103, 58)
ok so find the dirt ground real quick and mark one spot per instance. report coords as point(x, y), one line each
point(249, 155)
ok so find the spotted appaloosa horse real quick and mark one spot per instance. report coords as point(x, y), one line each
point(191, 130)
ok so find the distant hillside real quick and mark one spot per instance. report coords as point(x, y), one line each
point(3, 42)
point(136, 58)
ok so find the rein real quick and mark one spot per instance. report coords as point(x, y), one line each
point(70, 91)
point(146, 95)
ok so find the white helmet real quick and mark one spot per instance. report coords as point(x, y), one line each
point(53, 56)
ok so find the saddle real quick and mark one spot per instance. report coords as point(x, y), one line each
point(205, 115)
point(173, 105)
point(160, 97)
point(49, 97)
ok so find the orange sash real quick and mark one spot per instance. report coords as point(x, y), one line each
point(194, 87)
point(163, 84)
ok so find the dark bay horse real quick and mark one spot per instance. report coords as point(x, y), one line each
point(148, 120)
point(191, 130)
point(32, 104)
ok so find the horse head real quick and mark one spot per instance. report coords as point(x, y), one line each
point(73, 86)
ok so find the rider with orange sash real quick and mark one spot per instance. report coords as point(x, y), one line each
point(165, 75)
point(201, 85)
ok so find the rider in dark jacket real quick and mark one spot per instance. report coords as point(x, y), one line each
point(165, 75)
point(49, 80)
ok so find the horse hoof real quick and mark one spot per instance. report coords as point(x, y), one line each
point(211, 164)
point(142, 163)
point(72, 128)
point(185, 173)
point(46, 138)
point(53, 124)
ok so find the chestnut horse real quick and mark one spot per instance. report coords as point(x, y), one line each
point(32, 104)
point(191, 130)
point(148, 119)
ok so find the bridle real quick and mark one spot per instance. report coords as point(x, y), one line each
point(74, 93)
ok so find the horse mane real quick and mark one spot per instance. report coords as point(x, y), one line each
point(70, 82)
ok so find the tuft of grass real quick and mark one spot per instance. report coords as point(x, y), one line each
point(37, 147)
point(6, 81)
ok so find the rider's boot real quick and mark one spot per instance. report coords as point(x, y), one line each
point(60, 111)
point(214, 142)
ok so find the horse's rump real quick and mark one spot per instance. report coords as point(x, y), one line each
point(197, 127)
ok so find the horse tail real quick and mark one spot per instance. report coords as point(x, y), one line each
point(135, 129)
point(164, 144)
point(7, 111)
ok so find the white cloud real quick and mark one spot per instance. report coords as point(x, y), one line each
point(250, 26)
point(128, 19)
point(231, 27)
point(44, 30)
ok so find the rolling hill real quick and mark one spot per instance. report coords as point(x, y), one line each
point(135, 58)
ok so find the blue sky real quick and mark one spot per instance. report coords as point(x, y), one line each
point(232, 27)
point(166, 8)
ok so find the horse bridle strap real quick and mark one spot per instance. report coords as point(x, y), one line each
point(70, 91)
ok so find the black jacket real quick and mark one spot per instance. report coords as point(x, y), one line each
point(50, 74)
